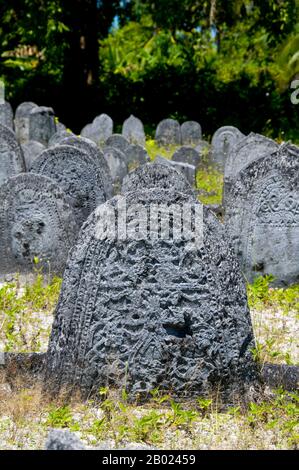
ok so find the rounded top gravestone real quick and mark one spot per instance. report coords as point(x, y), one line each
point(136, 155)
point(59, 136)
point(22, 120)
point(31, 151)
point(117, 141)
point(157, 175)
point(35, 221)
point(187, 155)
point(133, 130)
point(11, 155)
point(262, 216)
point(6, 115)
point(223, 141)
point(79, 175)
point(41, 124)
point(168, 132)
point(144, 310)
point(99, 130)
point(191, 133)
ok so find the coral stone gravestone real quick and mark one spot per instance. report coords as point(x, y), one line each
point(35, 221)
point(133, 130)
point(168, 132)
point(79, 175)
point(191, 133)
point(262, 216)
point(22, 120)
point(6, 115)
point(99, 130)
point(11, 155)
point(187, 155)
point(136, 155)
point(160, 176)
point(145, 311)
point(223, 142)
point(31, 151)
point(41, 124)
point(118, 141)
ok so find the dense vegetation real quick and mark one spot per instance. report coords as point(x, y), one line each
point(216, 61)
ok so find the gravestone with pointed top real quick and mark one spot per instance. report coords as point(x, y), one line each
point(133, 130)
point(99, 130)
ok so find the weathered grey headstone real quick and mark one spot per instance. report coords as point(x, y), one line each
point(189, 171)
point(22, 120)
point(99, 130)
point(88, 146)
point(11, 155)
point(58, 137)
point(118, 166)
point(79, 175)
point(136, 155)
point(262, 216)
point(223, 141)
point(31, 150)
point(35, 221)
point(133, 130)
point(191, 133)
point(118, 141)
point(168, 132)
point(187, 155)
point(63, 439)
point(6, 115)
point(60, 126)
point(41, 124)
point(157, 175)
point(146, 312)
point(203, 148)
point(248, 149)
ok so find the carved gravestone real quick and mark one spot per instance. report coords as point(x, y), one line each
point(191, 133)
point(35, 221)
point(80, 177)
point(262, 216)
point(168, 132)
point(88, 146)
point(248, 149)
point(22, 120)
point(189, 171)
point(118, 141)
point(11, 155)
point(136, 155)
point(157, 175)
point(58, 137)
point(118, 166)
point(6, 115)
point(143, 312)
point(99, 130)
point(133, 130)
point(187, 155)
point(41, 124)
point(31, 150)
point(223, 142)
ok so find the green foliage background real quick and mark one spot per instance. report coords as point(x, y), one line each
point(219, 62)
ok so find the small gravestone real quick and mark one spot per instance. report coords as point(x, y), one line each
point(35, 222)
point(118, 141)
point(189, 171)
point(136, 155)
point(203, 148)
point(6, 115)
point(147, 309)
point(22, 120)
point(99, 130)
point(117, 164)
point(31, 150)
point(79, 175)
point(133, 130)
point(262, 216)
point(58, 137)
point(88, 146)
point(157, 175)
point(11, 155)
point(60, 127)
point(41, 124)
point(223, 142)
point(187, 155)
point(191, 133)
point(168, 132)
